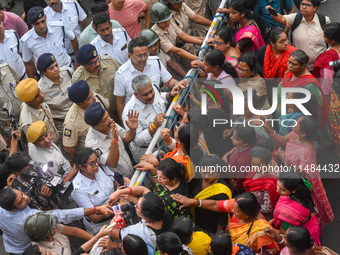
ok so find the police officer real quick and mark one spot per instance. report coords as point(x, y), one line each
point(34, 107)
point(152, 40)
point(139, 63)
point(71, 13)
point(45, 37)
point(97, 71)
point(169, 33)
point(112, 42)
point(182, 14)
point(8, 82)
point(9, 51)
point(42, 150)
point(74, 128)
point(107, 138)
point(199, 7)
point(53, 83)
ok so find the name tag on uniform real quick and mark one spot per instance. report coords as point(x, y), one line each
point(95, 193)
point(54, 94)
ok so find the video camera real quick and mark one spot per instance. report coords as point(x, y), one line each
point(40, 174)
point(7, 107)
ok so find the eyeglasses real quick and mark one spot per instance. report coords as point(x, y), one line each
point(240, 70)
point(218, 43)
point(284, 41)
point(93, 63)
point(93, 163)
point(141, 56)
point(306, 5)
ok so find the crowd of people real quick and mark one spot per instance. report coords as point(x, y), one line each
point(82, 102)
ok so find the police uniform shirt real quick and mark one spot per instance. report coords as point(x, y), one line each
point(101, 144)
point(163, 57)
point(9, 52)
point(153, 68)
point(51, 154)
point(33, 45)
point(71, 14)
point(29, 115)
point(56, 96)
point(89, 193)
point(167, 38)
point(59, 245)
point(8, 82)
point(89, 33)
point(75, 128)
point(182, 17)
point(118, 50)
point(104, 83)
point(147, 114)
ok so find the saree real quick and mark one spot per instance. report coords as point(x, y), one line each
point(294, 213)
point(276, 67)
point(183, 159)
point(253, 33)
point(322, 61)
point(334, 117)
point(302, 82)
point(260, 184)
point(255, 238)
point(304, 157)
point(289, 123)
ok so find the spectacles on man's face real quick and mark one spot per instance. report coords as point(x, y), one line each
point(93, 63)
point(93, 163)
point(305, 5)
point(218, 43)
point(141, 56)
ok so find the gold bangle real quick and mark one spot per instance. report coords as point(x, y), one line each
point(153, 125)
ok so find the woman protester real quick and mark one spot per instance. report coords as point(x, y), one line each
point(248, 36)
point(295, 206)
point(210, 186)
point(170, 244)
point(322, 69)
point(246, 225)
point(273, 57)
point(300, 149)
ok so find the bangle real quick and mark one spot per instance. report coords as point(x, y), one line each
point(168, 143)
point(152, 129)
point(200, 203)
point(130, 190)
point(174, 83)
point(197, 202)
point(283, 239)
point(153, 126)
point(112, 141)
point(273, 134)
point(156, 175)
point(94, 210)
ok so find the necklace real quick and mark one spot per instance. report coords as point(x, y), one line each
point(243, 24)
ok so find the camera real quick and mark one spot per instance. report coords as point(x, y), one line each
point(40, 174)
point(335, 65)
point(7, 107)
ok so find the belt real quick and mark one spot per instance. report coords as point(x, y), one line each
point(56, 119)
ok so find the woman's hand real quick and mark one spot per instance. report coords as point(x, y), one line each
point(225, 158)
point(196, 63)
point(103, 231)
point(223, 10)
point(150, 158)
point(107, 244)
point(114, 197)
point(144, 166)
point(227, 132)
point(185, 201)
point(273, 234)
point(179, 109)
point(126, 181)
point(165, 133)
point(280, 153)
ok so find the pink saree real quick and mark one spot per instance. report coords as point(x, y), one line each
point(304, 157)
point(252, 33)
point(296, 214)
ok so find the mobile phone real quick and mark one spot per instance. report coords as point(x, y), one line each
point(272, 11)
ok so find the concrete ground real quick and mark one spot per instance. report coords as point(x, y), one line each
point(331, 232)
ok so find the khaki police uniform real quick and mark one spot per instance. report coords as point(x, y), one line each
point(199, 7)
point(33, 45)
point(101, 144)
point(147, 114)
point(125, 74)
point(71, 14)
point(74, 128)
point(118, 49)
point(56, 96)
point(105, 82)
point(163, 57)
point(9, 53)
point(29, 115)
point(8, 82)
point(182, 17)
